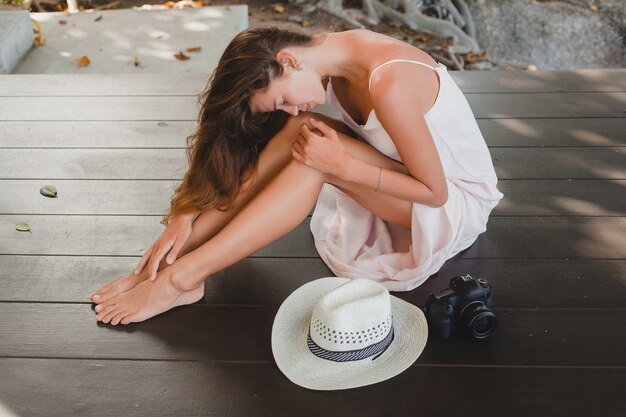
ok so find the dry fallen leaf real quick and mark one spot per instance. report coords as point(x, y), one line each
point(593, 7)
point(83, 61)
point(137, 62)
point(22, 227)
point(279, 8)
point(48, 191)
point(62, 22)
point(97, 19)
point(194, 49)
point(306, 22)
point(180, 56)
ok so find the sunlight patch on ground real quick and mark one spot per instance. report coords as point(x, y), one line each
point(5, 412)
point(590, 138)
point(77, 33)
point(118, 39)
point(577, 206)
point(519, 126)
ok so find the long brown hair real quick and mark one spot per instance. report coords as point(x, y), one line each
point(223, 151)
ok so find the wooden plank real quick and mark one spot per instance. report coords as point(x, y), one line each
point(138, 197)
point(582, 80)
point(561, 198)
point(115, 236)
point(158, 388)
point(506, 237)
point(543, 105)
point(147, 108)
point(559, 163)
point(88, 197)
point(171, 164)
point(483, 105)
point(551, 237)
point(46, 85)
point(105, 164)
point(585, 132)
point(95, 134)
point(567, 283)
point(524, 337)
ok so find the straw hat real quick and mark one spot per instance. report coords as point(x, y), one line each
point(336, 333)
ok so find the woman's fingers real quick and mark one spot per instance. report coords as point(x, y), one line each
point(326, 130)
point(305, 132)
point(156, 259)
point(171, 257)
point(144, 259)
point(298, 150)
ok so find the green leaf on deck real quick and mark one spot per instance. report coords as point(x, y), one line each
point(48, 191)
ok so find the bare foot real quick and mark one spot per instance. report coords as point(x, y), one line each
point(145, 300)
point(118, 286)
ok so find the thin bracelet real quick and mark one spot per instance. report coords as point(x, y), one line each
point(380, 177)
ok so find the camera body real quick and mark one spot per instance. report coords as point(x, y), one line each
point(464, 304)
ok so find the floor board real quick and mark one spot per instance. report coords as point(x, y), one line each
point(164, 388)
point(124, 197)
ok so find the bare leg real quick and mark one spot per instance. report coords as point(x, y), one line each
point(272, 159)
point(259, 223)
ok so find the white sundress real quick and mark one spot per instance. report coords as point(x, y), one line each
point(355, 243)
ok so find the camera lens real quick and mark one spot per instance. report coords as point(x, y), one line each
point(478, 320)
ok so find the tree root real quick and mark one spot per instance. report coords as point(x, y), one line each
point(375, 10)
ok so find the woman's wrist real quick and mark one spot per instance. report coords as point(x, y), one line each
point(346, 169)
point(355, 170)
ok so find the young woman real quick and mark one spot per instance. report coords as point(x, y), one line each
point(401, 184)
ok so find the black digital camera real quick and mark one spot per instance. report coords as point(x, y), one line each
point(465, 304)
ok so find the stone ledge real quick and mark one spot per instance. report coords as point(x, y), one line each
point(16, 38)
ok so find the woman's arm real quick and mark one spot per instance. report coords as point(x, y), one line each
point(319, 146)
point(398, 101)
point(392, 182)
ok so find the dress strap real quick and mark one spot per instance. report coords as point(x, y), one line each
point(396, 60)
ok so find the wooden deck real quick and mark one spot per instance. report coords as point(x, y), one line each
point(114, 147)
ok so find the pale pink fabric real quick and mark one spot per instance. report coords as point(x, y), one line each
point(355, 243)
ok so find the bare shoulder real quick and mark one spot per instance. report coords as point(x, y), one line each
point(382, 48)
point(409, 79)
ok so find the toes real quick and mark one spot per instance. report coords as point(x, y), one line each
point(104, 304)
point(126, 320)
point(118, 317)
point(98, 293)
point(110, 315)
point(103, 310)
point(104, 296)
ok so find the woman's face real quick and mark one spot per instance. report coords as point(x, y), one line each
point(292, 92)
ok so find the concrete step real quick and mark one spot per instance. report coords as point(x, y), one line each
point(111, 39)
point(16, 38)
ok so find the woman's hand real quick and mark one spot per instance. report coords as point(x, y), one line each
point(170, 240)
point(324, 152)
